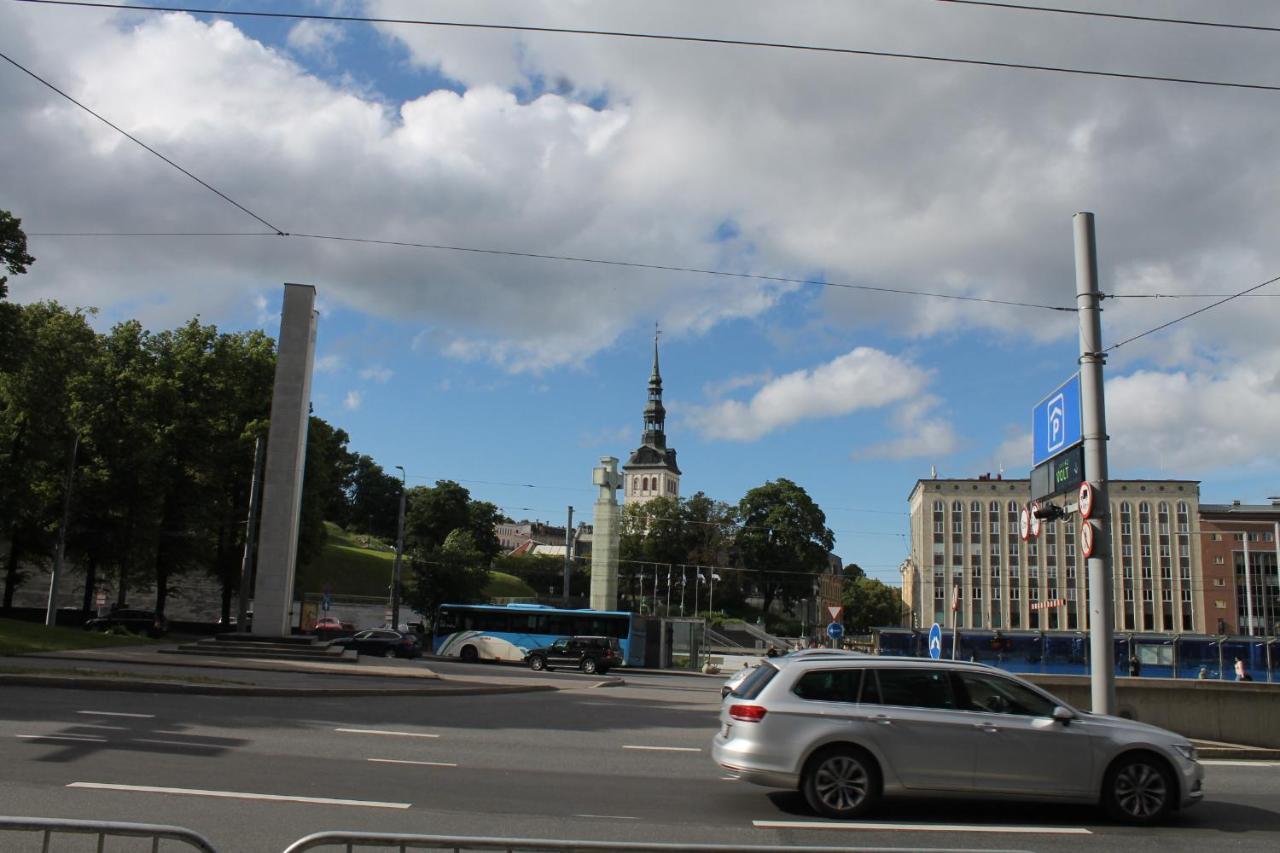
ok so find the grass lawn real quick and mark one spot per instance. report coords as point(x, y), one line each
point(20, 638)
point(347, 566)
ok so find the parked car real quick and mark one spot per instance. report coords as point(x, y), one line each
point(590, 654)
point(146, 622)
point(382, 642)
point(331, 625)
point(848, 730)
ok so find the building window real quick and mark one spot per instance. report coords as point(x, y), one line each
point(1215, 537)
point(1219, 561)
point(1220, 604)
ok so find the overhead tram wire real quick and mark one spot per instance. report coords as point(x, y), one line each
point(1188, 316)
point(620, 34)
point(1118, 16)
point(139, 142)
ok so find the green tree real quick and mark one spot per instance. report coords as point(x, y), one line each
point(13, 249)
point(327, 469)
point(372, 499)
point(783, 540)
point(454, 572)
point(432, 513)
point(36, 428)
point(869, 603)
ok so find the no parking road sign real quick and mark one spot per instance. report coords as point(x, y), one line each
point(935, 641)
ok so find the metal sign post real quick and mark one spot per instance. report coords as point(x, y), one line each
point(1094, 433)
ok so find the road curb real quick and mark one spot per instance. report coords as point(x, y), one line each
point(144, 686)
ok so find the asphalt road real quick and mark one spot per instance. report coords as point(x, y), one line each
point(615, 763)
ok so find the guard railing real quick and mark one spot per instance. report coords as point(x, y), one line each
point(349, 841)
point(47, 828)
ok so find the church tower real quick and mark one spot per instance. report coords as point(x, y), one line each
point(651, 471)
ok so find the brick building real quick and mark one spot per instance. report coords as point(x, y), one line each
point(1229, 532)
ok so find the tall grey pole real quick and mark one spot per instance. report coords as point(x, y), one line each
point(1102, 680)
point(568, 557)
point(51, 612)
point(395, 571)
point(1248, 587)
point(250, 536)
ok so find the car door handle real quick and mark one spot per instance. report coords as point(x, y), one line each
point(882, 719)
point(989, 728)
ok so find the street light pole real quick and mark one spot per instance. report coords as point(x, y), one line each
point(395, 572)
point(51, 612)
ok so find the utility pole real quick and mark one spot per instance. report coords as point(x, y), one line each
point(51, 612)
point(1093, 422)
point(250, 537)
point(395, 571)
point(1248, 585)
point(568, 556)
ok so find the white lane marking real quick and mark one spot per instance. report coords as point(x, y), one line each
point(100, 726)
point(117, 714)
point(406, 761)
point(384, 732)
point(1224, 762)
point(667, 748)
point(73, 738)
point(921, 827)
point(608, 816)
point(238, 795)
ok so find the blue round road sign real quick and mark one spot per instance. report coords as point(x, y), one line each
point(935, 641)
point(835, 630)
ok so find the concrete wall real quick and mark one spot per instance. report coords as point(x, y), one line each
point(1245, 713)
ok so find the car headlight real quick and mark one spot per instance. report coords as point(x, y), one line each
point(1186, 750)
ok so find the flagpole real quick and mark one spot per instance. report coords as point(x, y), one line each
point(955, 622)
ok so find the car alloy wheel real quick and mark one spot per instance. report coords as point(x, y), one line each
point(841, 783)
point(1138, 790)
point(589, 665)
point(389, 652)
point(536, 663)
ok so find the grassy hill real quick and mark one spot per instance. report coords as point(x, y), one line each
point(20, 638)
point(353, 565)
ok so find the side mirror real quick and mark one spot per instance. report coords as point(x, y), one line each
point(1063, 715)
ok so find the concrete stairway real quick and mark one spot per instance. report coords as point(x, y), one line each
point(271, 648)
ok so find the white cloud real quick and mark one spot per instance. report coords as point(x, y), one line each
point(733, 383)
point(316, 38)
point(922, 434)
point(331, 363)
point(377, 373)
point(1193, 423)
point(352, 401)
point(861, 379)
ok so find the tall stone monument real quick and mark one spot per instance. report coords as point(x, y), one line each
point(604, 536)
point(286, 459)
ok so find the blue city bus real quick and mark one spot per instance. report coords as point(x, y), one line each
point(508, 632)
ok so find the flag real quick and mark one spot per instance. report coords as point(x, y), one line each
point(955, 602)
point(701, 579)
point(714, 576)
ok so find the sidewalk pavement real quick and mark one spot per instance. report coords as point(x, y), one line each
point(149, 669)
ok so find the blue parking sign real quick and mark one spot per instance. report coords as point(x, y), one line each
point(1055, 422)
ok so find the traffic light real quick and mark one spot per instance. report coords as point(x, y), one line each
point(1050, 512)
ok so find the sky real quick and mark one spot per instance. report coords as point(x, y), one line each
point(796, 176)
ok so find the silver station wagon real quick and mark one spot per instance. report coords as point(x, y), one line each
point(847, 731)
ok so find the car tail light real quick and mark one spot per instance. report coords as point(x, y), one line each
point(747, 713)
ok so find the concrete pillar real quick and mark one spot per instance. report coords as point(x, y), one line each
point(605, 536)
point(286, 460)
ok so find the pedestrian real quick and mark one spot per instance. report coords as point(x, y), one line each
point(1241, 675)
point(1135, 666)
point(1203, 675)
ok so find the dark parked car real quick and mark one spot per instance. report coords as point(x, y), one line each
point(590, 654)
point(138, 621)
point(382, 642)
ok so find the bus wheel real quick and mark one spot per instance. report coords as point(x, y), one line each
point(469, 654)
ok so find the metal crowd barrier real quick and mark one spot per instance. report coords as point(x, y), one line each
point(104, 829)
point(458, 843)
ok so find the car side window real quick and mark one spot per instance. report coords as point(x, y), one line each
point(914, 688)
point(996, 695)
point(829, 685)
point(560, 645)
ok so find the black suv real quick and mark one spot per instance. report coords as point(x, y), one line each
point(590, 654)
point(138, 621)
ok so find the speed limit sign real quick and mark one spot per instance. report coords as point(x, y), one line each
point(1024, 524)
point(1035, 519)
point(1086, 538)
point(1086, 499)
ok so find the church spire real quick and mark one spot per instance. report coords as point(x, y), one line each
point(655, 414)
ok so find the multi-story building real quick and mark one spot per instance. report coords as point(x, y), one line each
point(1234, 591)
point(965, 537)
point(512, 535)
